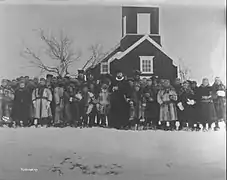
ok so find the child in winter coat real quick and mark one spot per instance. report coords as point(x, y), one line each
point(103, 105)
point(137, 107)
point(86, 104)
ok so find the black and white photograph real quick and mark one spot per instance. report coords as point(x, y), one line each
point(113, 90)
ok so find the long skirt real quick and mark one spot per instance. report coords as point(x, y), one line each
point(119, 111)
point(187, 115)
point(220, 108)
point(168, 112)
point(207, 113)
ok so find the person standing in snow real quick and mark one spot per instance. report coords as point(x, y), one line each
point(41, 98)
point(119, 112)
point(186, 104)
point(6, 102)
point(103, 105)
point(69, 94)
point(94, 90)
point(59, 102)
point(86, 104)
point(21, 105)
point(207, 114)
point(152, 106)
point(136, 107)
point(167, 98)
point(219, 98)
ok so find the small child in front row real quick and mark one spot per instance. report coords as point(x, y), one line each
point(103, 105)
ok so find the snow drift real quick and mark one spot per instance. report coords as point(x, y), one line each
point(108, 154)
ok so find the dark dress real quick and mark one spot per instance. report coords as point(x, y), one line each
point(206, 108)
point(152, 107)
point(187, 115)
point(219, 101)
point(21, 106)
point(119, 111)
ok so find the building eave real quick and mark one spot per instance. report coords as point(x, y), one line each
point(141, 40)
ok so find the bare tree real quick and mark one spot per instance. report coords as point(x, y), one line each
point(184, 71)
point(97, 55)
point(59, 51)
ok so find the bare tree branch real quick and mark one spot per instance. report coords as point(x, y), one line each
point(59, 50)
point(184, 71)
point(96, 55)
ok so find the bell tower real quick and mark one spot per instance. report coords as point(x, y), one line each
point(140, 21)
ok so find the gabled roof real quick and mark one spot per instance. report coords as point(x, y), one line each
point(111, 54)
point(146, 37)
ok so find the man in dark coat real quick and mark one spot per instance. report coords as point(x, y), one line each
point(119, 112)
point(21, 105)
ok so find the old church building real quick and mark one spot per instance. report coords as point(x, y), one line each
point(140, 47)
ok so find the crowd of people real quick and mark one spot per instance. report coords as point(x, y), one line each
point(112, 101)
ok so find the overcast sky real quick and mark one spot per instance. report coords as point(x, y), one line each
point(194, 33)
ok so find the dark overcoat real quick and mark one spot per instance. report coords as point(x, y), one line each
point(21, 105)
point(119, 111)
point(206, 108)
point(219, 101)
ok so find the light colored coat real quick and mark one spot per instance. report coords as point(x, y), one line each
point(103, 103)
point(168, 110)
point(42, 103)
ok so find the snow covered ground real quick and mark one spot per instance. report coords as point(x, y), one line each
point(108, 154)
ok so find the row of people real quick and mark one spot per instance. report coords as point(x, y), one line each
point(115, 102)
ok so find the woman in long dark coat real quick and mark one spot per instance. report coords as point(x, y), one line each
point(219, 99)
point(206, 108)
point(119, 112)
point(186, 103)
point(21, 105)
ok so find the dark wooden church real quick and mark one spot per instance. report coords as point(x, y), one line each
point(140, 47)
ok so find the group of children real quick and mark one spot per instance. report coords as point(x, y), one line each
point(115, 102)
